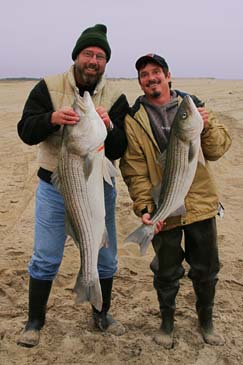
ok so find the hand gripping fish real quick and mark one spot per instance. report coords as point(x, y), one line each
point(182, 155)
point(79, 178)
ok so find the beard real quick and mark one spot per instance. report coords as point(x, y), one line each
point(154, 93)
point(86, 79)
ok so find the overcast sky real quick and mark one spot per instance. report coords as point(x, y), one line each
point(198, 38)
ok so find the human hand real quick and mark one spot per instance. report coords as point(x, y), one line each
point(147, 220)
point(65, 115)
point(204, 115)
point(105, 117)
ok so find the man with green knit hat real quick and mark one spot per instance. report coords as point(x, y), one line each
point(47, 109)
point(94, 36)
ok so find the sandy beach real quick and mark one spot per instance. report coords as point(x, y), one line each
point(67, 337)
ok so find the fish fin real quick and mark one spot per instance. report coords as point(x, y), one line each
point(179, 211)
point(191, 151)
point(201, 157)
point(161, 159)
point(95, 295)
point(155, 192)
point(88, 293)
point(143, 235)
point(105, 239)
point(87, 166)
point(55, 180)
point(109, 171)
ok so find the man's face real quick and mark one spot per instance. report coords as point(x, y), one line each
point(90, 66)
point(153, 81)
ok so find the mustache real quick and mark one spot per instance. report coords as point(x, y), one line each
point(92, 66)
point(153, 82)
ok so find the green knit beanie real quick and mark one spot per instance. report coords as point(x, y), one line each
point(93, 36)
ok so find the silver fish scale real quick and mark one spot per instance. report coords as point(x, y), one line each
point(174, 180)
point(74, 191)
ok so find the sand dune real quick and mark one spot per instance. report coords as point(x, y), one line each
point(67, 337)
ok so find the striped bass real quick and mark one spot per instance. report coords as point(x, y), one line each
point(182, 155)
point(79, 178)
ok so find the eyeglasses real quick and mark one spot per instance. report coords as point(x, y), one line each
point(89, 54)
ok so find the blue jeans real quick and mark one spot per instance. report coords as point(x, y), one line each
point(50, 237)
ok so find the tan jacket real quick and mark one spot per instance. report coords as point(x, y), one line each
point(141, 170)
point(62, 89)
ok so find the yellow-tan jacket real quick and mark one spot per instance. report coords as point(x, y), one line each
point(142, 171)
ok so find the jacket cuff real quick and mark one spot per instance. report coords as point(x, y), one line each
point(144, 210)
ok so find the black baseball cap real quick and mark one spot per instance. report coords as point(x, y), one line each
point(151, 57)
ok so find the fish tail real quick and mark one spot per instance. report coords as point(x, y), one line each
point(89, 293)
point(143, 235)
point(55, 180)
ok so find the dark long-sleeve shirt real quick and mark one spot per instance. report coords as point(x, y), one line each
point(35, 124)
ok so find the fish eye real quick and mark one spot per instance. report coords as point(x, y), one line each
point(184, 115)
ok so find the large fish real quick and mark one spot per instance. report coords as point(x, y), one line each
point(182, 155)
point(79, 178)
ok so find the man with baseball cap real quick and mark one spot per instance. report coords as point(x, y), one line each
point(147, 128)
point(142, 61)
point(47, 109)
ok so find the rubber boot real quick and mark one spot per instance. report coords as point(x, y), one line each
point(103, 321)
point(205, 293)
point(39, 291)
point(210, 336)
point(164, 336)
point(166, 293)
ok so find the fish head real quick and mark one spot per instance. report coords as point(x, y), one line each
point(90, 132)
point(92, 114)
point(188, 123)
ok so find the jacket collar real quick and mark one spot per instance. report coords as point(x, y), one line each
point(141, 117)
point(139, 114)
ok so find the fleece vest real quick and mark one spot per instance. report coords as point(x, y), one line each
point(62, 89)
